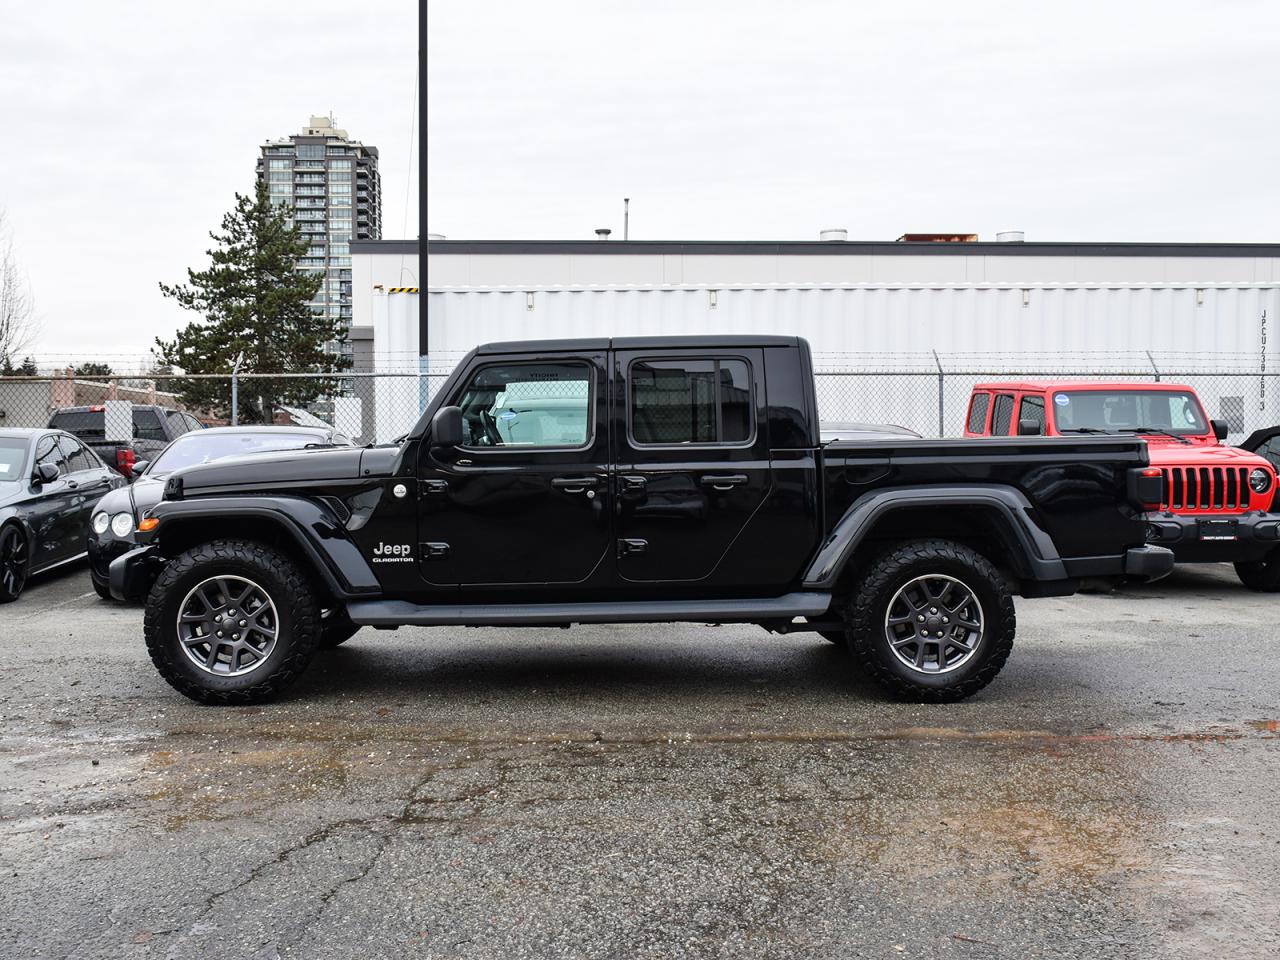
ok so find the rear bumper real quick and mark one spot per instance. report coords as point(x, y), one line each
point(1215, 538)
point(129, 575)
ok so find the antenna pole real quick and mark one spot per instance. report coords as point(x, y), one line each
point(626, 218)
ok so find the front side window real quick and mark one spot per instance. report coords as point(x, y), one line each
point(48, 451)
point(690, 401)
point(1032, 408)
point(1119, 411)
point(545, 404)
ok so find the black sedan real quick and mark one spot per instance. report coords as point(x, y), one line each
point(49, 483)
point(116, 517)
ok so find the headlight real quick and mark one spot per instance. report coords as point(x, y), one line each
point(100, 523)
point(122, 524)
point(1259, 480)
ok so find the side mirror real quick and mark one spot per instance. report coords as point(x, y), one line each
point(46, 473)
point(1219, 428)
point(140, 466)
point(446, 427)
point(1029, 428)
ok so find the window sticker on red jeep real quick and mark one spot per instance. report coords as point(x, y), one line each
point(1061, 399)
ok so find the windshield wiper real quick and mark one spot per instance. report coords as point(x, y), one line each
point(1086, 430)
point(1151, 431)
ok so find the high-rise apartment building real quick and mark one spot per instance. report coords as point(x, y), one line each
point(332, 184)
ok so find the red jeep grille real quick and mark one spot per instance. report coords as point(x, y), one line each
point(1206, 489)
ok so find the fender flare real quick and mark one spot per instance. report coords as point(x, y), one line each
point(311, 525)
point(1038, 549)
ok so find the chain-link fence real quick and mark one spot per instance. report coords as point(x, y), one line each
point(378, 407)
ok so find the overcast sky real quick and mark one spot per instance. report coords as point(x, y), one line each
point(128, 127)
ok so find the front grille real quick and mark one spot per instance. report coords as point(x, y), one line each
point(1206, 489)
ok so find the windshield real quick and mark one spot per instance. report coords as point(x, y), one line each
point(204, 447)
point(1168, 411)
point(13, 459)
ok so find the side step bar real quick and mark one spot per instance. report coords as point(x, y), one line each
point(394, 613)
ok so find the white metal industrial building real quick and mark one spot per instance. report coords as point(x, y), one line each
point(910, 308)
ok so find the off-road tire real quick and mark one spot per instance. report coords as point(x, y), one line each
point(298, 629)
point(870, 599)
point(336, 629)
point(1261, 575)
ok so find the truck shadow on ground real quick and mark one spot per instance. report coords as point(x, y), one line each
point(803, 668)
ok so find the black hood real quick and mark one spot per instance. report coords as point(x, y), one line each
point(138, 497)
point(273, 469)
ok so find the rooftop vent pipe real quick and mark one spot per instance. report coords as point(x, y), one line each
point(837, 235)
point(1010, 236)
point(603, 233)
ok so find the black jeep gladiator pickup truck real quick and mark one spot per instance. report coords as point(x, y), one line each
point(634, 481)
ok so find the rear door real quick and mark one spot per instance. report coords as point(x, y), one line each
point(525, 502)
point(89, 481)
point(693, 459)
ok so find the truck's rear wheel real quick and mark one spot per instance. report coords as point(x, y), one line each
point(231, 622)
point(931, 621)
point(1261, 575)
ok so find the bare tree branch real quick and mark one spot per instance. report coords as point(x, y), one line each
point(18, 325)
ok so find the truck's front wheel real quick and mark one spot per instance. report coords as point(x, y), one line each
point(1261, 575)
point(931, 621)
point(231, 622)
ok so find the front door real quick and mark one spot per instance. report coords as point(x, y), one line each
point(53, 515)
point(525, 502)
point(693, 460)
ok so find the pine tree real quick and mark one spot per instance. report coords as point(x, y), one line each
point(94, 371)
point(253, 300)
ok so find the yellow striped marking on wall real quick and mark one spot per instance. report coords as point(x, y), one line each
point(402, 289)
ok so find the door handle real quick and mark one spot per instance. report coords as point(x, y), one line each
point(629, 547)
point(574, 484)
point(72, 485)
point(633, 484)
point(433, 486)
point(724, 481)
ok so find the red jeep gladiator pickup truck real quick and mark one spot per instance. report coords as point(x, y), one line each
point(1217, 503)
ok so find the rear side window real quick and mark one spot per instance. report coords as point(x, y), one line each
point(978, 412)
point(147, 426)
point(1032, 408)
point(77, 457)
point(691, 401)
point(1002, 416)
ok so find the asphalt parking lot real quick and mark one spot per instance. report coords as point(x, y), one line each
point(649, 792)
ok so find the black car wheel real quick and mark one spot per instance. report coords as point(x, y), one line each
point(100, 587)
point(1261, 575)
point(231, 622)
point(15, 561)
point(932, 621)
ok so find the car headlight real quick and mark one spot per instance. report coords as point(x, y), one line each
point(100, 523)
point(1259, 480)
point(122, 524)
